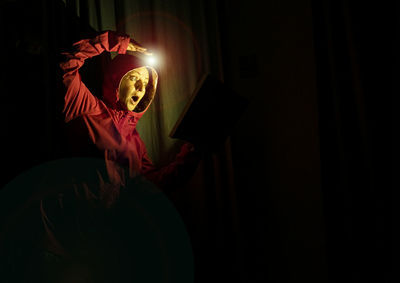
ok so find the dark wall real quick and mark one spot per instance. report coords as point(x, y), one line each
point(270, 60)
point(314, 188)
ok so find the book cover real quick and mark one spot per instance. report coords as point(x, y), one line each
point(210, 114)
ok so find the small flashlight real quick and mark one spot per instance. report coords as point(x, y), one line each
point(147, 57)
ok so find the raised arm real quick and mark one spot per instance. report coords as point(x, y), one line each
point(78, 99)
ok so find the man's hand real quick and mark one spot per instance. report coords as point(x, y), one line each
point(133, 47)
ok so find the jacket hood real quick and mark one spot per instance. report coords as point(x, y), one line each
point(117, 68)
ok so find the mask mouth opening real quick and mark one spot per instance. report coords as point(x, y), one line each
point(135, 98)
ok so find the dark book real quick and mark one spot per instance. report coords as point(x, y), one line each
point(210, 114)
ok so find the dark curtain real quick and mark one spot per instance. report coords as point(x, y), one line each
point(353, 43)
point(36, 33)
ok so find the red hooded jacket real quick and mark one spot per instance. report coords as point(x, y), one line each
point(73, 192)
point(100, 128)
point(105, 129)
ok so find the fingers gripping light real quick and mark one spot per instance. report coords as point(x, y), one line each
point(147, 57)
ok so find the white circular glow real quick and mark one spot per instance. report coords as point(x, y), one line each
point(151, 60)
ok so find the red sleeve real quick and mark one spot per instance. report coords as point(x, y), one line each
point(174, 174)
point(78, 99)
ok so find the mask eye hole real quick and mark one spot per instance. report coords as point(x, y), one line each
point(139, 85)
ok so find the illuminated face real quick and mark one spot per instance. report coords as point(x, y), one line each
point(132, 87)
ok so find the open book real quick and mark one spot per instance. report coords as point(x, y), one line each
point(210, 114)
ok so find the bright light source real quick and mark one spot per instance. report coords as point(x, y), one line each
point(147, 57)
point(151, 60)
